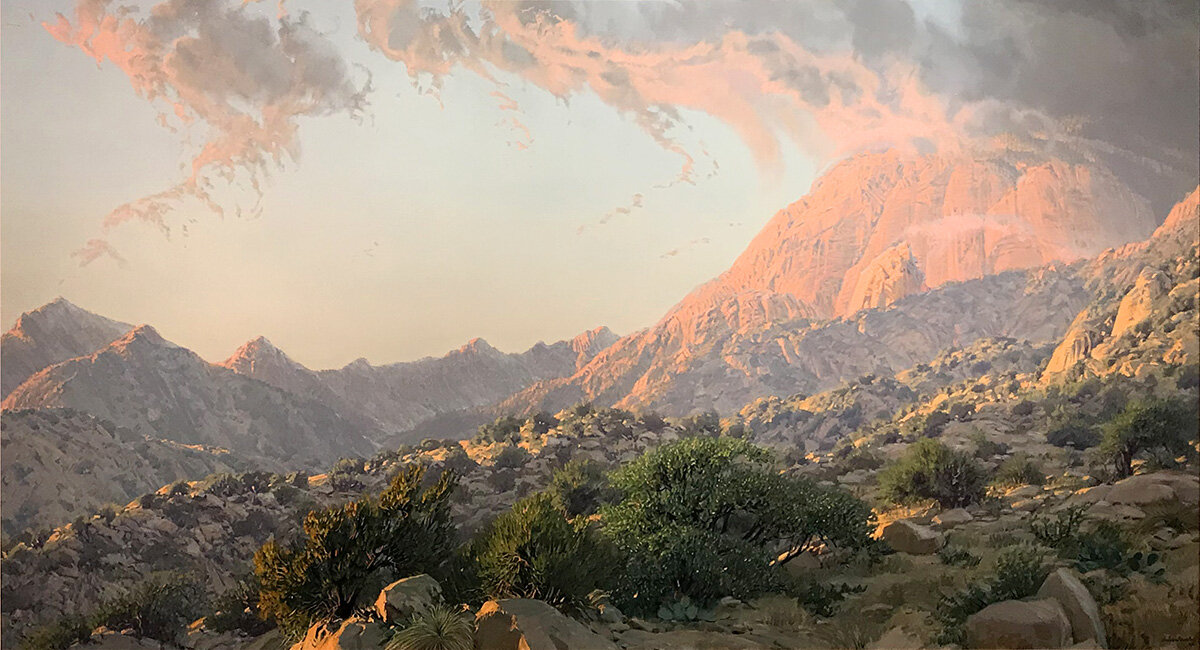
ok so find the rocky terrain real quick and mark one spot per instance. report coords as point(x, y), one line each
point(157, 389)
point(59, 464)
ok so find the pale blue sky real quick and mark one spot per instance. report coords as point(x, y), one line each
point(475, 237)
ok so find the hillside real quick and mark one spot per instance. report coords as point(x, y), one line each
point(60, 464)
point(157, 389)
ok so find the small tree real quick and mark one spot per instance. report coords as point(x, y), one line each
point(511, 457)
point(931, 470)
point(535, 551)
point(1162, 424)
point(581, 487)
point(405, 530)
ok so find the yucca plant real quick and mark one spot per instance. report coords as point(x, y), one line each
point(440, 628)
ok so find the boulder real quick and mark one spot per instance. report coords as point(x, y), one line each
point(403, 598)
point(1019, 624)
point(1144, 489)
point(952, 518)
point(1064, 586)
point(523, 624)
point(353, 634)
point(908, 537)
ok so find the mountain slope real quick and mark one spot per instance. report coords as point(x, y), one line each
point(54, 332)
point(397, 397)
point(874, 232)
point(59, 464)
point(161, 390)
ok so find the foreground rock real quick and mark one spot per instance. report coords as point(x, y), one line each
point(1019, 624)
point(352, 634)
point(1082, 612)
point(400, 600)
point(908, 537)
point(522, 624)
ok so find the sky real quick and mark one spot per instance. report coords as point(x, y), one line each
point(389, 178)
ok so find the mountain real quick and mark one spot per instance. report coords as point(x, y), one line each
point(54, 332)
point(397, 397)
point(158, 389)
point(875, 232)
point(59, 464)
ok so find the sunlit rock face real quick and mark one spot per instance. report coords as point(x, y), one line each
point(54, 332)
point(928, 238)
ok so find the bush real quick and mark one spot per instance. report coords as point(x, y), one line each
point(534, 551)
point(1073, 434)
point(349, 466)
point(1166, 424)
point(1060, 532)
point(440, 628)
point(1018, 574)
point(511, 457)
point(705, 518)
point(406, 530)
point(1019, 470)
point(581, 487)
point(236, 610)
point(505, 429)
point(60, 634)
point(931, 470)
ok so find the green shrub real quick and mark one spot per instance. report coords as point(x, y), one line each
point(236, 610)
point(60, 634)
point(1019, 470)
point(440, 628)
point(704, 518)
point(349, 466)
point(1018, 574)
point(1105, 546)
point(406, 530)
point(535, 551)
point(511, 457)
point(1061, 531)
point(581, 487)
point(1073, 434)
point(505, 429)
point(1166, 424)
point(957, 556)
point(931, 470)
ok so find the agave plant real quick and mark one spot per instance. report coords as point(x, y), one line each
point(440, 628)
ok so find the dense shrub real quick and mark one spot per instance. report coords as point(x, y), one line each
point(159, 608)
point(511, 457)
point(1019, 470)
point(931, 470)
point(505, 429)
point(705, 517)
point(581, 487)
point(1165, 424)
point(1060, 531)
point(535, 551)
point(406, 530)
point(236, 610)
point(349, 466)
point(1073, 434)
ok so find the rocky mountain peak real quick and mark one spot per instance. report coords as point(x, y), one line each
point(593, 341)
point(142, 335)
point(479, 346)
point(52, 333)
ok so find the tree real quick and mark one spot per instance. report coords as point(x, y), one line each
point(347, 549)
point(931, 470)
point(1149, 425)
point(581, 487)
point(708, 517)
point(535, 551)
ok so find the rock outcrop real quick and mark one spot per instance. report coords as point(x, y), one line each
point(909, 537)
point(1066, 588)
point(522, 624)
point(892, 275)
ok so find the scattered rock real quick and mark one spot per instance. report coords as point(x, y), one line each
point(1019, 624)
point(952, 518)
point(523, 624)
point(401, 599)
point(908, 537)
point(353, 634)
point(1064, 586)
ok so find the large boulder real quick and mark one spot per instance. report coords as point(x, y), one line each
point(400, 600)
point(1145, 489)
point(908, 537)
point(1019, 624)
point(523, 624)
point(1081, 609)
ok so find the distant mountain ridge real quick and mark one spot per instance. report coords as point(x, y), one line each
point(54, 332)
